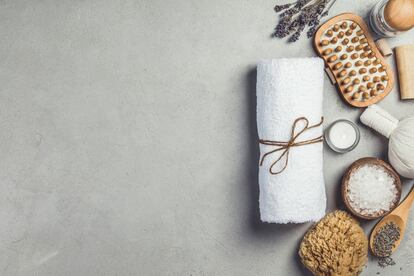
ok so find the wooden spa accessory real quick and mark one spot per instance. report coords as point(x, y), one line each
point(399, 14)
point(353, 60)
point(404, 56)
point(356, 166)
point(399, 217)
point(389, 18)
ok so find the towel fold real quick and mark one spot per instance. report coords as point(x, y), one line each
point(288, 89)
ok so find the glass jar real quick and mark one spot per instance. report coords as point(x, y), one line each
point(378, 23)
point(342, 135)
point(391, 17)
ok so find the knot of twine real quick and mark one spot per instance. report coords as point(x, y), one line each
point(286, 146)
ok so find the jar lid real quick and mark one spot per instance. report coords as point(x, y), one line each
point(399, 14)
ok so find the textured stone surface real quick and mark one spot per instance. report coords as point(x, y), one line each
point(128, 140)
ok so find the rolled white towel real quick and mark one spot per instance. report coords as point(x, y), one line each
point(288, 89)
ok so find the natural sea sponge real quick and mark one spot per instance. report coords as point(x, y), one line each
point(336, 245)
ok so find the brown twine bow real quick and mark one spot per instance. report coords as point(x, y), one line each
point(285, 146)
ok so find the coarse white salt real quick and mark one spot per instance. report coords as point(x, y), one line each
point(371, 190)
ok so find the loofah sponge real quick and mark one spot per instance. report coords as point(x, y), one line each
point(336, 245)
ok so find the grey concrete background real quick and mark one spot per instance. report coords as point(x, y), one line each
point(128, 139)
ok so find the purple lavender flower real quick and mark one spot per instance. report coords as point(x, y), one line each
point(299, 15)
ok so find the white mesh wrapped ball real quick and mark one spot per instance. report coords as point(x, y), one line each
point(401, 135)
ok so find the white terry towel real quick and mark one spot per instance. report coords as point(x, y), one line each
point(286, 90)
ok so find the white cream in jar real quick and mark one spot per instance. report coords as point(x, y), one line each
point(342, 136)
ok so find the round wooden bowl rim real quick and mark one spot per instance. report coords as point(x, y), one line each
point(356, 165)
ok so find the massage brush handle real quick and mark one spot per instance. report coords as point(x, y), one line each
point(380, 120)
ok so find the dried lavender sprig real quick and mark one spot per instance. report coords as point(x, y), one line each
point(299, 15)
point(279, 8)
point(331, 3)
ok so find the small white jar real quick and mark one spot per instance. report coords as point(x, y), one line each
point(342, 135)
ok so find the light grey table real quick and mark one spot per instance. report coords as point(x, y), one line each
point(128, 139)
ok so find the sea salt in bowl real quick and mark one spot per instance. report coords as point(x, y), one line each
point(371, 188)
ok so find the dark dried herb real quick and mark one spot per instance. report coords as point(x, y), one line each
point(299, 15)
point(385, 261)
point(384, 242)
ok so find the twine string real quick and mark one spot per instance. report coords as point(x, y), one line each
point(286, 146)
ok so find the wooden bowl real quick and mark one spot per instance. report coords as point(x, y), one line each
point(355, 166)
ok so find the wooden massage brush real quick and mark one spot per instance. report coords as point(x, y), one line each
point(353, 60)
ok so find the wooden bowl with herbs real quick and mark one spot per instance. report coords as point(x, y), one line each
point(371, 188)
